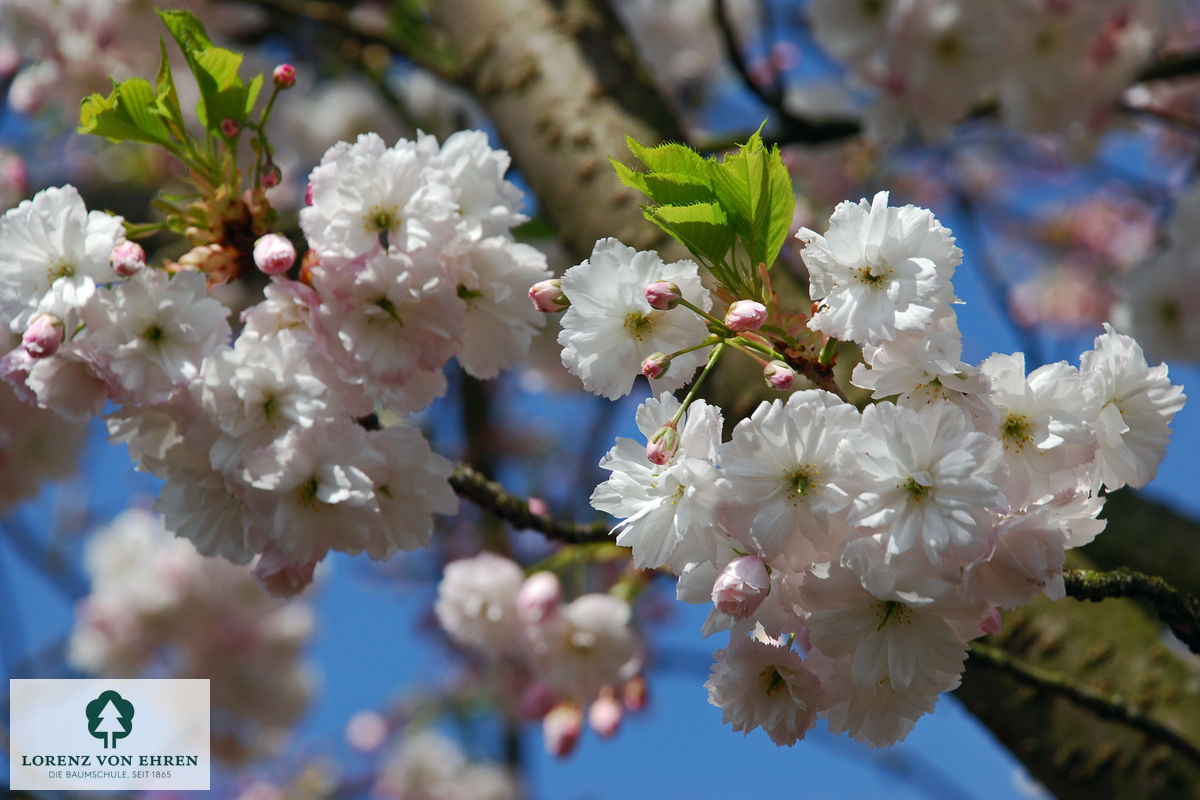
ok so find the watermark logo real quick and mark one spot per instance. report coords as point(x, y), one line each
point(110, 717)
point(79, 734)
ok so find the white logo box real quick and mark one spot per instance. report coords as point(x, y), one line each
point(109, 734)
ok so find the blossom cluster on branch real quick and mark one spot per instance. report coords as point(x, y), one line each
point(851, 553)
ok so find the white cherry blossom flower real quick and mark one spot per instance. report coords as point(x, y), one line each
point(668, 512)
point(49, 238)
point(923, 478)
point(879, 270)
point(781, 475)
point(1137, 403)
point(761, 685)
point(610, 327)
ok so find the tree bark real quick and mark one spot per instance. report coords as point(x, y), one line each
point(560, 81)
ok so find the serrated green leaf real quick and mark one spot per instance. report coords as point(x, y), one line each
point(125, 115)
point(222, 95)
point(665, 189)
point(137, 99)
point(166, 101)
point(702, 228)
point(754, 187)
point(672, 158)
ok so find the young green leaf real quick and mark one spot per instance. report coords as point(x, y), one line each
point(127, 114)
point(702, 228)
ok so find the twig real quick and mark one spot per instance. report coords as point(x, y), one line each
point(1179, 610)
point(1106, 706)
point(338, 17)
point(792, 129)
point(492, 497)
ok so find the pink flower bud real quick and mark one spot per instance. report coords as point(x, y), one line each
point(547, 296)
point(561, 729)
point(284, 76)
point(270, 177)
point(746, 315)
point(992, 623)
point(308, 194)
point(536, 701)
point(656, 365)
point(274, 254)
point(741, 587)
point(538, 506)
point(662, 445)
point(278, 576)
point(634, 693)
point(538, 598)
point(367, 731)
point(230, 127)
point(43, 336)
point(662, 295)
point(128, 258)
point(779, 375)
point(604, 714)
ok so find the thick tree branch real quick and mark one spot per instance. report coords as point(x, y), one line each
point(492, 497)
point(1180, 611)
point(1107, 706)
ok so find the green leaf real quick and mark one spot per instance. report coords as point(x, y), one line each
point(702, 228)
point(166, 102)
point(252, 92)
point(665, 189)
point(127, 114)
point(671, 157)
point(754, 188)
point(222, 95)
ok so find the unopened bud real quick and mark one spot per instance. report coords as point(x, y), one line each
point(127, 258)
point(992, 622)
point(656, 365)
point(230, 127)
point(43, 336)
point(284, 76)
point(662, 445)
point(604, 714)
point(538, 598)
point(271, 176)
point(741, 587)
point(537, 701)
point(779, 375)
point(278, 576)
point(547, 296)
point(634, 693)
point(367, 731)
point(662, 295)
point(745, 315)
point(274, 254)
point(561, 729)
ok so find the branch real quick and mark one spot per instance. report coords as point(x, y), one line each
point(339, 18)
point(1106, 706)
point(491, 496)
point(1180, 611)
point(792, 129)
point(1180, 65)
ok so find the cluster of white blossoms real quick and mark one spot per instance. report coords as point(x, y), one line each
point(428, 766)
point(157, 608)
point(1054, 65)
point(852, 554)
point(549, 657)
point(264, 442)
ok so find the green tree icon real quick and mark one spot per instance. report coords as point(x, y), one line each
point(110, 717)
